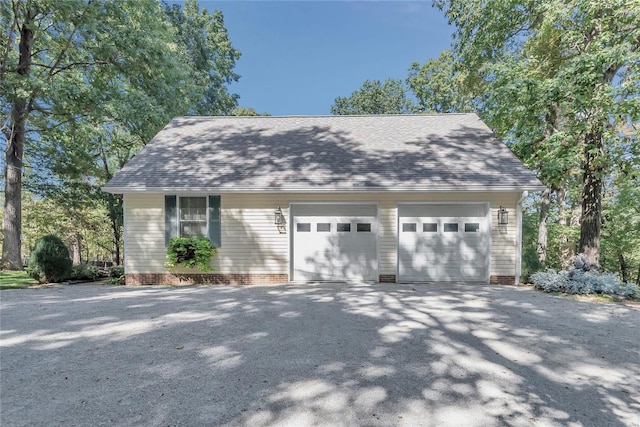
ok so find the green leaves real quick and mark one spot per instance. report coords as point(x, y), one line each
point(190, 252)
point(105, 77)
point(374, 98)
point(439, 86)
point(203, 43)
point(558, 80)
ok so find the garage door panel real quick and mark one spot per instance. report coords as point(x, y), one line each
point(443, 242)
point(417, 210)
point(334, 210)
point(324, 253)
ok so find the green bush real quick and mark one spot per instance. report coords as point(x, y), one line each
point(49, 261)
point(116, 275)
point(190, 252)
point(116, 271)
point(84, 272)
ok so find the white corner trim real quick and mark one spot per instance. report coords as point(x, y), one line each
point(124, 234)
point(519, 237)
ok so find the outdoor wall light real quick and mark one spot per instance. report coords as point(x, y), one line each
point(278, 218)
point(503, 216)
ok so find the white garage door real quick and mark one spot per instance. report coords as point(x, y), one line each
point(443, 242)
point(334, 242)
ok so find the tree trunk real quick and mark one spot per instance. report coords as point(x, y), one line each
point(566, 251)
point(542, 226)
point(591, 216)
point(12, 221)
point(561, 193)
point(115, 213)
point(115, 217)
point(116, 246)
point(638, 276)
point(624, 267)
point(77, 254)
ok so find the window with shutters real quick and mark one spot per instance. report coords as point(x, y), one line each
point(193, 216)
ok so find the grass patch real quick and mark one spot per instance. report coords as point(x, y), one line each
point(15, 280)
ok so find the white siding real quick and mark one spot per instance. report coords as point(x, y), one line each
point(503, 237)
point(144, 250)
point(251, 243)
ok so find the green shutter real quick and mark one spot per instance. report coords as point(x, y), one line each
point(170, 218)
point(215, 229)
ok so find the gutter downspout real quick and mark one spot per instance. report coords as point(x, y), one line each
point(519, 237)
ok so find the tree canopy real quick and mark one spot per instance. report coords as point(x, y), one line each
point(438, 86)
point(84, 85)
point(433, 87)
point(374, 97)
point(559, 82)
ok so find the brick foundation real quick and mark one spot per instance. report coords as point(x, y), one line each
point(137, 279)
point(502, 280)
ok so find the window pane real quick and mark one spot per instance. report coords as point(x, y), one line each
point(184, 213)
point(472, 227)
point(193, 216)
point(363, 227)
point(344, 226)
point(303, 227)
point(200, 202)
point(193, 208)
point(450, 227)
point(409, 227)
point(323, 226)
point(199, 214)
point(193, 228)
point(430, 227)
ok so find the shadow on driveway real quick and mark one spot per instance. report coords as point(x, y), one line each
point(318, 354)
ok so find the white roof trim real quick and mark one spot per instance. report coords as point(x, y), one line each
point(248, 190)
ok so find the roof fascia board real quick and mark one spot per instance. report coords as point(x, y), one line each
point(248, 190)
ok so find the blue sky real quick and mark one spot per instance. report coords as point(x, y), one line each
point(298, 56)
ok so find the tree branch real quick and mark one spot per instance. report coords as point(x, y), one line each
point(6, 132)
point(68, 42)
point(78, 64)
point(59, 124)
point(5, 57)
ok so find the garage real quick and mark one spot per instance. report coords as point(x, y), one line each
point(334, 242)
point(443, 242)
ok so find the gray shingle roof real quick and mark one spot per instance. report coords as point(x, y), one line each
point(324, 153)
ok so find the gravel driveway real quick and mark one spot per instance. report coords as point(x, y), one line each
point(320, 354)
